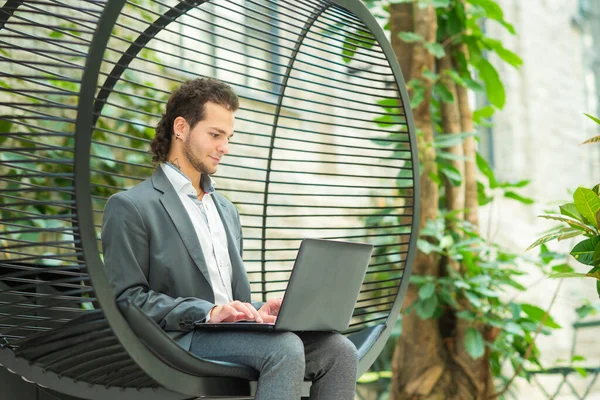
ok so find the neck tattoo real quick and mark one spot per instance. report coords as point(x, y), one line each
point(175, 162)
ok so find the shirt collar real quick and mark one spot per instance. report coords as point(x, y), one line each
point(182, 184)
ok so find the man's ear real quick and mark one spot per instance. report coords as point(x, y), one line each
point(180, 127)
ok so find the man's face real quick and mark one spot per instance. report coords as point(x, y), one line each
point(208, 142)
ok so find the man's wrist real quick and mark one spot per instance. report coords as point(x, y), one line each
point(209, 315)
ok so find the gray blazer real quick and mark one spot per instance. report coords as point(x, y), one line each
point(152, 255)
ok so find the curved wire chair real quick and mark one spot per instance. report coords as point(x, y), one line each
point(324, 147)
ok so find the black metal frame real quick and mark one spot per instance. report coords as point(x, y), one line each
point(178, 383)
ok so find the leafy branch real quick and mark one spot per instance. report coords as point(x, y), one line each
point(582, 217)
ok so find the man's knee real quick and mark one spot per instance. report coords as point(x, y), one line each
point(287, 346)
point(344, 348)
point(332, 355)
point(289, 343)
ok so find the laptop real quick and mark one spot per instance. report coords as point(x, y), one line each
point(322, 290)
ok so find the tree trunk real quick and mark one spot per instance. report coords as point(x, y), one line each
point(469, 148)
point(430, 361)
point(418, 361)
point(401, 20)
point(451, 123)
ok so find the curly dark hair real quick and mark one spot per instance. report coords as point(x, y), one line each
point(188, 101)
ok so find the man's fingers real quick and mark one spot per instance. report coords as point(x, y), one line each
point(242, 307)
point(254, 315)
point(230, 314)
point(249, 311)
point(238, 311)
point(269, 319)
point(267, 315)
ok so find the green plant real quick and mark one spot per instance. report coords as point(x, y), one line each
point(579, 218)
point(459, 301)
point(479, 292)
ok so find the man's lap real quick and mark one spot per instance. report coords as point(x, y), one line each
point(252, 348)
point(215, 344)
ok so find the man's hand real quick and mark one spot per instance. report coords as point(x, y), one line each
point(235, 311)
point(270, 310)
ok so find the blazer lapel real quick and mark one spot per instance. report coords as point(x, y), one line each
point(239, 281)
point(172, 204)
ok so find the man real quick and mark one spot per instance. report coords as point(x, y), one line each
point(173, 246)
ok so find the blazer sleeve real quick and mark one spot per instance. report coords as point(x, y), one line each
point(126, 250)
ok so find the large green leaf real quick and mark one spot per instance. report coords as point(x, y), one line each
point(427, 290)
point(538, 314)
point(483, 113)
point(458, 14)
point(474, 85)
point(493, 85)
point(427, 307)
point(509, 27)
point(584, 250)
point(568, 233)
point(486, 170)
point(570, 210)
point(351, 44)
point(562, 268)
point(349, 49)
point(503, 53)
point(595, 139)
point(450, 140)
point(467, 260)
point(474, 343)
point(455, 77)
point(426, 247)
point(387, 121)
point(389, 104)
point(473, 298)
point(432, 76)
point(491, 8)
point(446, 296)
point(594, 273)
point(518, 184)
point(417, 96)
point(544, 239)
point(573, 223)
point(435, 49)
point(482, 196)
point(560, 275)
point(514, 328)
point(410, 37)
point(509, 57)
point(440, 3)
point(444, 155)
point(596, 120)
point(588, 204)
point(452, 174)
point(518, 197)
point(596, 256)
point(441, 91)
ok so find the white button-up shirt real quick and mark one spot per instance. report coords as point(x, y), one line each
point(209, 229)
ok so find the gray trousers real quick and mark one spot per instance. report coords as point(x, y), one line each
point(284, 360)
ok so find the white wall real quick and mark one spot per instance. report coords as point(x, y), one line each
point(537, 137)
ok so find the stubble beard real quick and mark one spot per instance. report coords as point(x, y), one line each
point(194, 161)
